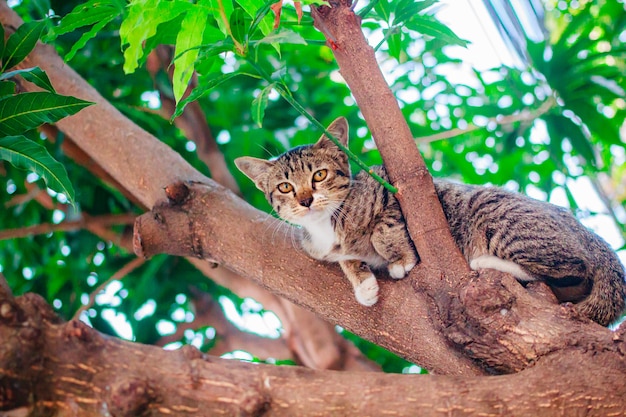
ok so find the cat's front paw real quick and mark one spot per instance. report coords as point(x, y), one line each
point(400, 269)
point(366, 292)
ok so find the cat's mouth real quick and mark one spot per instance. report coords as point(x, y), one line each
point(310, 213)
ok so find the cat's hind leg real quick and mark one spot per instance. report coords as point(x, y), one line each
point(362, 280)
point(392, 242)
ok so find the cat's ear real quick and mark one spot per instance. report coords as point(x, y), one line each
point(339, 129)
point(256, 169)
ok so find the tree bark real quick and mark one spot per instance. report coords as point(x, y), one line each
point(67, 368)
point(135, 159)
point(449, 320)
point(92, 142)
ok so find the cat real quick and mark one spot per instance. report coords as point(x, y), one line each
point(358, 223)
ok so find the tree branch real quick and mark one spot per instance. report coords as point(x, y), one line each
point(135, 159)
point(38, 229)
point(192, 121)
point(73, 368)
point(525, 116)
point(491, 315)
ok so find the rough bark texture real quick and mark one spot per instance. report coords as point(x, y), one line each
point(49, 367)
point(442, 317)
point(110, 154)
point(135, 159)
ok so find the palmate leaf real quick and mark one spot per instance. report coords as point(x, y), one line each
point(20, 44)
point(24, 153)
point(26, 111)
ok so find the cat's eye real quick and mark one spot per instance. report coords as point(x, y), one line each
point(285, 187)
point(320, 175)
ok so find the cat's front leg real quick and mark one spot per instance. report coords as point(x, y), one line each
point(362, 280)
point(392, 242)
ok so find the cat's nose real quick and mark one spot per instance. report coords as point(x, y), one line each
point(307, 201)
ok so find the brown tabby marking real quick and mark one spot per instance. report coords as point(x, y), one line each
point(358, 223)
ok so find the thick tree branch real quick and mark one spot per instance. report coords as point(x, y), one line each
point(119, 152)
point(491, 316)
point(136, 159)
point(72, 368)
point(405, 166)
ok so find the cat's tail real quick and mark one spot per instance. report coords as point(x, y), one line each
point(607, 298)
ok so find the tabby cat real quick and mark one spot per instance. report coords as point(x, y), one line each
point(358, 223)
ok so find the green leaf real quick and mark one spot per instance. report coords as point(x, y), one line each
point(282, 35)
point(20, 44)
point(188, 41)
point(93, 12)
point(26, 111)
point(35, 75)
point(24, 153)
point(383, 8)
point(238, 25)
point(216, 48)
point(406, 9)
point(428, 25)
point(394, 41)
point(222, 9)
point(561, 127)
point(259, 104)
point(144, 16)
point(7, 88)
point(261, 18)
point(205, 84)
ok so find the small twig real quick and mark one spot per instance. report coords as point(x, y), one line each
point(121, 273)
point(524, 116)
point(32, 194)
point(43, 228)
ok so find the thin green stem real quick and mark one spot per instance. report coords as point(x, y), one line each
point(286, 94)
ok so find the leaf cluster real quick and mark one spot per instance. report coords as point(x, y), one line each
point(22, 113)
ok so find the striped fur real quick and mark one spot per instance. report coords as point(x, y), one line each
point(356, 222)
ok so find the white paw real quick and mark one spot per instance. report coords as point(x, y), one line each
point(398, 271)
point(366, 292)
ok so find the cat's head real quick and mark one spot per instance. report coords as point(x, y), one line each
point(306, 183)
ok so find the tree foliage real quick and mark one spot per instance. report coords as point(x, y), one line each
point(540, 128)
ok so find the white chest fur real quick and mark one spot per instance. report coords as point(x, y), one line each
point(321, 239)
